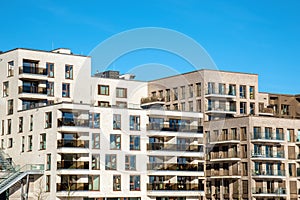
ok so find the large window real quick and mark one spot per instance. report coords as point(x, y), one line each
point(103, 90)
point(50, 69)
point(103, 104)
point(198, 89)
point(135, 183)
point(48, 119)
point(69, 71)
point(252, 92)
point(94, 120)
point(96, 141)
point(191, 91)
point(222, 88)
point(175, 93)
point(94, 182)
point(31, 123)
point(210, 88)
point(48, 183)
point(48, 162)
point(168, 95)
point(30, 143)
point(50, 88)
point(20, 124)
point(121, 92)
point(242, 91)
point(111, 162)
point(8, 126)
point(10, 106)
point(23, 144)
point(135, 142)
point(5, 89)
point(117, 122)
point(116, 182)
point(43, 141)
point(10, 68)
point(10, 143)
point(130, 162)
point(65, 90)
point(95, 161)
point(182, 92)
point(232, 89)
point(115, 141)
point(243, 107)
point(134, 123)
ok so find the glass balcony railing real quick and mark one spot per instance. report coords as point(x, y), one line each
point(175, 128)
point(175, 186)
point(174, 167)
point(73, 122)
point(224, 155)
point(271, 154)
point(32, 70)
point(268, 173)
point(32, 90)
point(267, 136)
point(73, 143)
point(73, 165)
point(265, 190)
point(174, 147)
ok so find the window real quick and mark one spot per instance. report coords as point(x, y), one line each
point(117, 122)
point(115, 141)
point(94, 120)
point(242, 91)
point(130, 162)
point(199, 105)
point(48, 162)
point(168, 95)
point(153, 94)
point(232, 90)
point(121, 92)
point(210, 88)
point(222, 88)
point(69, 71)
point(175, 90)
point(20, 124)
point(5, 89)
point(50, 88)
point(103, 90)
point(94, 182)
point(48, 183)
point(198, 89)
point(191, 91)
point(31, 123)
point(121, 104)
point(252, 108)
point(10, 68)
point(23, 144)
point(66, 90)
point(134, 183)
point(8, 126)
point(285, 109)
point(191, 106)
point(50, 69)
point(103, 104)
point(2, 143)
point(252, 92)
point(96, 141)
point(183, 106)
point(182, 92)
point(10, 106)
point(243, 107)
point(95, 162)
point(30, 143)
point(135, 142)
point(111, 162)
point(161, 93)
point(117, 182)
point(134, 123)
point(10, 143)
point(48, 119)
point(43, 141)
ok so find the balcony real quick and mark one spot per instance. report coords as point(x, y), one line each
point(269, 155)
point(217, 174)
point(268, 191)
point(72, 187)
point(73, 143)
point(268, 174)
point(174, 167)
point(220, 110)
point(174, 187)
point(225, 139)
point(32, 90)
point(174, 128)
point(149, 102)
point(174, 147)
point(33, 70)
point(73, 165)
point(72, 122)
point(267, 137)
point(266, 111)
point(222, 95)
point(224, 156)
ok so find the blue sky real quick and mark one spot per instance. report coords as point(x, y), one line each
point(256, 36)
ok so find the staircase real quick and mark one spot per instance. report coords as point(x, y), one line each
point(5, 162)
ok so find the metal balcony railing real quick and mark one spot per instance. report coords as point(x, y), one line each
point(73, 122)
point(265, 190)
point(73, 165)
point(73, 143)
point(174, 147)
point(32, 70)
point(174, 128)
point(271, 154)
point(174, 167)
point(268, 173)
point(32, 90)
point(174, 186)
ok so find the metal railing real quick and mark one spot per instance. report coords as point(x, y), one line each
point(175, 128)
point(73, 165)
point(32, 90)
point(174, 186)
point(73, 143)
point(268, 173)
point(174, 147)
point(73, 122)
point(270, 154)
point(174, 167)
point(265, 190)
point(32, 70)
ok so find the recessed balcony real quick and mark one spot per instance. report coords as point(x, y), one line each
point(220, 110)
point(225, 139)
point(174, 167)
point(174, 147)
point(264, 191)
point(174, 128)
point(73, 165)
point(33, 70)
point(174, 187)
point(224, 156)
point(72, 143)
point(220, 95)
point(73, 122)
point(263, 174)
point(72, 187)
point(267, 137)
point(272, 155)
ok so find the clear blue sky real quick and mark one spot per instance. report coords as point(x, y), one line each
point(261, 36)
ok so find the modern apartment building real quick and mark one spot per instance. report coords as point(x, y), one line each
point(205, 134)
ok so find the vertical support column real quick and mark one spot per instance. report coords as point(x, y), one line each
point(27, 187)
point(22, 190)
